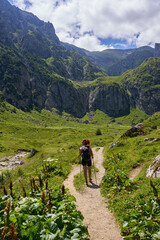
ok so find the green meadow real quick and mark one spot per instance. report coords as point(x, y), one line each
point(53, 136)
point(57, 139)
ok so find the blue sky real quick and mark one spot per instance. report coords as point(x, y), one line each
point(100, 24)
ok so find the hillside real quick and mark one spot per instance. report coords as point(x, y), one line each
point(135, 201)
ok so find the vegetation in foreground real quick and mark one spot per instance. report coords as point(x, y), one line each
point(40, 214)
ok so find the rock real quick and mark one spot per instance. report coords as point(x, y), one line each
point(86, 121)
point(134, 131)
point(156, 140)
point(3, 164)
point(17, 162)
point(154, 127)
point(119, 123)
point(12, 162)
point(154, 169)
point(148, 139)
point(113, 120)
point(153, 140)
point(113, 145)
point(139, 126)
point(33, 152)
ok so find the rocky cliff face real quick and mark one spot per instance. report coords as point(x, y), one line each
point(143, 84)
point(112, 99)
point(65, 97)
point(15, 83)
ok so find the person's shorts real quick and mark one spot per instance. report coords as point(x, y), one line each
point(86, 162)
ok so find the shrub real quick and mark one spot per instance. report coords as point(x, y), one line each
point(41, 215)
point(98, 132)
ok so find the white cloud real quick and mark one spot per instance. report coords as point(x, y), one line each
point(89, 42)
point(83, 22)
point(19, 3)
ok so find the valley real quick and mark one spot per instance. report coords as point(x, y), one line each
point(53, 95)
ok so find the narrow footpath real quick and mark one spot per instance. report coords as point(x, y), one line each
point(100, 221)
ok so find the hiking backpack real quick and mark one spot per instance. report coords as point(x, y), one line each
point(85, 153)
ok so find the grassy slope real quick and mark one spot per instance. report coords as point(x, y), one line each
point(123, 195)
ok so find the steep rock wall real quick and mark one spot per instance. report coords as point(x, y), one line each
point(112, 99)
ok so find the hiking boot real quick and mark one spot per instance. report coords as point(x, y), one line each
point(86, 183)
point(90, 180)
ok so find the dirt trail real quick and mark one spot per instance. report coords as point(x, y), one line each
point(100, 221)
point(134, 173)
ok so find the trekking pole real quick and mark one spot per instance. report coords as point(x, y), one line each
point(94, 171)
point(80, 166)
point(80, 169)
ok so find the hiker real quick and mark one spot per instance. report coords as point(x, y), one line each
point(87, 154)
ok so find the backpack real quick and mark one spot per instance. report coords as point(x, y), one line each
point(85, 153)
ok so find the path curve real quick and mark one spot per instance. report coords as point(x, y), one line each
point(100, 221)
point(135, 171)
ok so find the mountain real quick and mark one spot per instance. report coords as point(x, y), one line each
point(37, 86)
point(115, 61)
point(28, 34)
point(38, 71)
point(131, 60)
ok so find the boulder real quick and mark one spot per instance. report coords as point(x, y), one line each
point(134, 131)
point(154, 127)
point(156, 140)
point(149, 139)
point(113, 145)
point(154, 169)
point(139, 126)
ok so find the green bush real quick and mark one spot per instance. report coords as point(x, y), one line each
point(98, 132)
point(41, 215)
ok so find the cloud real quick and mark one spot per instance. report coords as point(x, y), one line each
point(84, 22)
